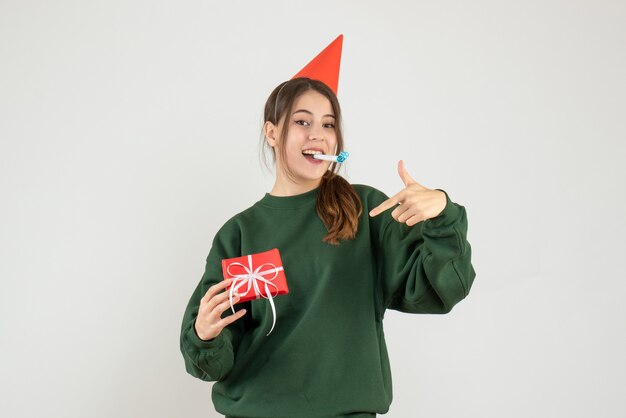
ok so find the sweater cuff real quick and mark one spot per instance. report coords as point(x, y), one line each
point(215, 343)
point(447, 216)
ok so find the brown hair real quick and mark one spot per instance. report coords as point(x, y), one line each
point(338, 205)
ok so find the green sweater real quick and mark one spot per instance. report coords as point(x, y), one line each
point(326, 356)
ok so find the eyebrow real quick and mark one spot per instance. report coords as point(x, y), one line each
point(306, 111)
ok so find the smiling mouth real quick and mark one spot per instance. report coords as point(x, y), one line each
point(311, 152)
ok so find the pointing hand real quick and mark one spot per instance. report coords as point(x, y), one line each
point(415, 203)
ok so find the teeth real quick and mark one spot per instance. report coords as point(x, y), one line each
point(311, 152)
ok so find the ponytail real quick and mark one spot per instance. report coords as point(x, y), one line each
point(339, 208)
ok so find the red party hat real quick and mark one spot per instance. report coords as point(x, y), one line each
point(325, 66)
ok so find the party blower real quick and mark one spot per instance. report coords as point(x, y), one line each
point(343, 156)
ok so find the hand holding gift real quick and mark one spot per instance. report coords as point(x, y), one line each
point(209, 322)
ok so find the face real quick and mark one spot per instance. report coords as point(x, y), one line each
point(311, 129)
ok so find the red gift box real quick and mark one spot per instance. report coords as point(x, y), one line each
point(256, 276)
point(253, 275)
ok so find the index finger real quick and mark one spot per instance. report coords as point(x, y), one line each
point(389, 203)
point(215, 289)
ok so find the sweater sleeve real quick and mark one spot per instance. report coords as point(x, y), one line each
point(211, 360)
point(426, 268)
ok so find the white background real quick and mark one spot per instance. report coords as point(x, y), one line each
point(129, 133)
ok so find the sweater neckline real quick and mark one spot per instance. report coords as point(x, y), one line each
point(290, 202)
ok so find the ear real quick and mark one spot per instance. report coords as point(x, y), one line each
point(271, 132)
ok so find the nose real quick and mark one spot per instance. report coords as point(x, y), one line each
point(316, 135)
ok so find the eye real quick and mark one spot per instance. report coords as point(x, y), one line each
point(329, 125)
point(302, 122)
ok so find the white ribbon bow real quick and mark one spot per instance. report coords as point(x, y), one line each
point(252, 279)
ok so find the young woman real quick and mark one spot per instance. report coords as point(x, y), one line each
point(347, 258)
